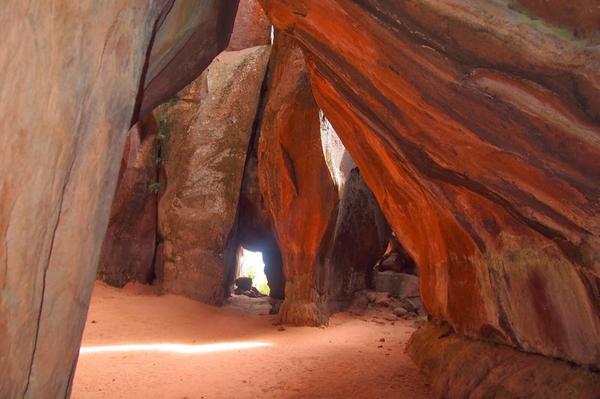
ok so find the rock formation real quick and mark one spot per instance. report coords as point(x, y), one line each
point(254, 227)
point(294, 180)
point(208, 129)
point(476, 126)
point(461, 368)
point(189, 34)
point(360, 233)
point(128, 249)
point(71, 73)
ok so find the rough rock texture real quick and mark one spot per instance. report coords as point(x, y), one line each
point(70, 74)
point(294, 179)
point(251, 27)
point(128, 249)
point(358, 241)
point(209, 125)
point(476, 127)
point(464, 368)
point(189, 35)
point(70, 77)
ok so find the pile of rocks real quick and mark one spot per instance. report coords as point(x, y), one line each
point(382, 306)
point(243, 286)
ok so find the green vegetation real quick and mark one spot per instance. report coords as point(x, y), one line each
point(154, 187)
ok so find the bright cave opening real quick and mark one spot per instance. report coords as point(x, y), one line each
point(251, 266)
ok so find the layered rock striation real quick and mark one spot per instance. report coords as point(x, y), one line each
point(476, 126)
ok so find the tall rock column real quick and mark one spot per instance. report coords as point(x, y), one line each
point(208, 127)
point(294, 180)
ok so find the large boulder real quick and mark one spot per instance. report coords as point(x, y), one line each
point(189, 34)
point(360, 233)
point(294, 180)
point(467, 368)
point(71, 71)
point(208, 127)
point(476, 125)
point(128, 249)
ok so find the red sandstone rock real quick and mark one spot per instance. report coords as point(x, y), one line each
point(294, 180)
point(128, 249)
point(251, 27)
point(465, 368)
point(477, 130)
point(209, 126)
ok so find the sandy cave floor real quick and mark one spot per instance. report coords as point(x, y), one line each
point(208, 352)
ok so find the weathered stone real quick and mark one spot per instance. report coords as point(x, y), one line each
point(294, 180)
point(128, 250)
point(400, 311)
point(254, 228)
point(359, 304)
point(461, 368)
point(70, 74)
point(251, 27)
point(209, 125)
point(189, 35)
point(360, 233)
point(476, 127)
point(400, 285)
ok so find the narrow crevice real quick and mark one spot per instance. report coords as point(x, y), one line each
point(232, 242)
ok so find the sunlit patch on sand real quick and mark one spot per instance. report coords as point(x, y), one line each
point(175, 348)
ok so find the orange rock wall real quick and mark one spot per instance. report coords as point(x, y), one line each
point(476, 127)
point(294, 180)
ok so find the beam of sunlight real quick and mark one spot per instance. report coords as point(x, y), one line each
point(175, 348)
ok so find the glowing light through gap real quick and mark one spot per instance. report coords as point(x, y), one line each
point(252, 265)
point(175, 348)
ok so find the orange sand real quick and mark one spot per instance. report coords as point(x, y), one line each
point(344, 360)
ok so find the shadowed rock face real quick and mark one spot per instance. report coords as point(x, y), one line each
point(359, 239)
point(294, 180)
point(71, 71)
point(208, 127)
point(360, 233)
point(189, 35)
point(476, 127)
point(128, 249)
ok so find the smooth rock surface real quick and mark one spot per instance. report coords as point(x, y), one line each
point(359, 239)
point(209, 125)
point(476, 127)
point(70, 77)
